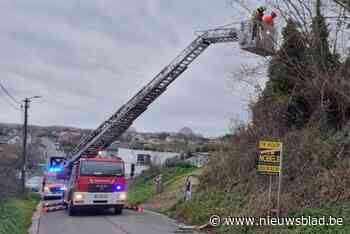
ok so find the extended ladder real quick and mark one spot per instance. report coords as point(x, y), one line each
point(119, 122)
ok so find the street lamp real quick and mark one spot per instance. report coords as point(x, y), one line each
point(25, 127)
point(34, 97)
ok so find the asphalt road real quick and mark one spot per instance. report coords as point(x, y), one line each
point(130, 222)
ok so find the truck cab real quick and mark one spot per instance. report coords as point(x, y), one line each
point(96, 183)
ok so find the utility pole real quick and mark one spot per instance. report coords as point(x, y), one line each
point(24, 152)
point(24, 149)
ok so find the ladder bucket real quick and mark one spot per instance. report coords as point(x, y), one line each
point(258, 38)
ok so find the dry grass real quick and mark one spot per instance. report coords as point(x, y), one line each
point(172, 193)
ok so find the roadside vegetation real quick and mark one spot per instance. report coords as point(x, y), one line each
point(142, 188)
point(16, 214)
point(16, 208)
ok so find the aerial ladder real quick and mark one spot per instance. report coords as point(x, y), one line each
point(122, 119)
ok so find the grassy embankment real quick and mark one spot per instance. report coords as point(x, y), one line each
point(315, 184)
point(142, 189)
point(16, 214)
point(208, 203)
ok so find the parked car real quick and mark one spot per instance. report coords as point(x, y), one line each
point(34, 183)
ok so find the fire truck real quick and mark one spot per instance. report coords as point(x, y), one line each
point(53, 184)
point(98, 183)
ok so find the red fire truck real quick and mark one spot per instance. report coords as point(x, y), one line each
point(98, 183)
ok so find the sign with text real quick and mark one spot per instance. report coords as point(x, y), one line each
point(271, 156)
point(269, 169)
point(269, 159)
point(270, 144)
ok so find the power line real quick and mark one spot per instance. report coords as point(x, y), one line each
point(11, 104)
point(11, 99)
point(9, 95)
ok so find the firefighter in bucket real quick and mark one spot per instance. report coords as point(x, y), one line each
point(269, 19)
point(257, 19)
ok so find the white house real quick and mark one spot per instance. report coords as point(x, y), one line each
point(138, 138)
point(12, 140)
point(142, 159)
point(170, 139)
point(13, 132)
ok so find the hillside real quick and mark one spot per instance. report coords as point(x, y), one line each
point(183, 141)
point(305, 104)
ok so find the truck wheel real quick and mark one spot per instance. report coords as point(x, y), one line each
point(71, 209)
point(118, 210)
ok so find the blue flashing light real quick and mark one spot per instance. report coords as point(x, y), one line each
point(55, 169)
point(119, 187)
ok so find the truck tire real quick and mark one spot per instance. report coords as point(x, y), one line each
point(71, 210)
point(118, 210)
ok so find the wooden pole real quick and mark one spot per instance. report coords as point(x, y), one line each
point(269, 195)
point(24, 149)
point(279, 183)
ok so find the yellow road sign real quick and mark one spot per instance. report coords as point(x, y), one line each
point(270, 144)
point(268, 169)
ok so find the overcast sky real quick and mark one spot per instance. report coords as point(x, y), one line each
point(87, 58)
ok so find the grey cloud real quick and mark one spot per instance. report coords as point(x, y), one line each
point(87, 58)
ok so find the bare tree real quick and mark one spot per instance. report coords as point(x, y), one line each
point(343, 3)
point(9, 164)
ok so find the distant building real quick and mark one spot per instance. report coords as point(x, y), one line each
point(55, 133)
point(13, 140)
point(69, 137)
point(154, 141)
point(143, 159)
point(170, 139)
point(3, 140)
point(13, 132)
point(198, 159)
point(138, 138)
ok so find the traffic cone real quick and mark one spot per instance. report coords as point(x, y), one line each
point(140, 209)
point(44, 210)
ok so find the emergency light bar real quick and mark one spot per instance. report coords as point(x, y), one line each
point(55, 169)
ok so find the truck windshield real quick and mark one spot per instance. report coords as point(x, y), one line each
point(101, 168)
